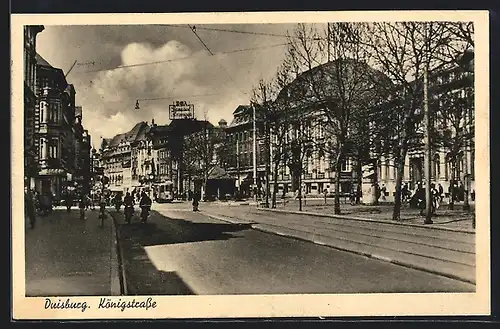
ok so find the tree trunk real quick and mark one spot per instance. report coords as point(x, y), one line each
point(338, 169)
point(451, 203)
point(275, 184)
point(268, 164)
point(300, 190)
point(396, 213)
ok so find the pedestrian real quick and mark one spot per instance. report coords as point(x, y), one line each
point(435, 198)
point(359, 194)
point(440, 192)
point(69, 201)
point(383, 190)
point(404, 192)
point(196, 202)
point(377, 191)
point(81, 205)
point(29, 207)
point(461, 192)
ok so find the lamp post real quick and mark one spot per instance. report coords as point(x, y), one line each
point(254, 156)
point(427, 142)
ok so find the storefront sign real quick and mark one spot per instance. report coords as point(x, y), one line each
point(181, 110)
point(52, 172)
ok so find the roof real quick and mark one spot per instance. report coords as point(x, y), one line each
point(217, 172)
point(138, 132)
point(243, 115)
point(189, 126)
point(298, 94)
point(41, 61)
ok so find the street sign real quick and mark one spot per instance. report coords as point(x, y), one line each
point(181, 110)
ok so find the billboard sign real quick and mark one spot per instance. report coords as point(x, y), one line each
point(181, 110)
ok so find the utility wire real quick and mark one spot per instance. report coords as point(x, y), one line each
point(247, 32)
point(176, 97)
point(193, 29)
point(183, 58)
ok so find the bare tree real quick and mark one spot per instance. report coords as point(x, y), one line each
point(404, 51)
point(336, 90)
point(199, 149)
point(271, 99)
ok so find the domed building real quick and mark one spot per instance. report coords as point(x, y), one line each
point(313, 107)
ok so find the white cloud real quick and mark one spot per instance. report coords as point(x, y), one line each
point(108, 97)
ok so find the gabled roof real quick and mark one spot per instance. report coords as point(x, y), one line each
point(138, 132)
point(217, 172)
point(41, 61)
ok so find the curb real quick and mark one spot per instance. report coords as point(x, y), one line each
point(119, 253)
point(367, 220)
point(116, 289)
point(368, 255)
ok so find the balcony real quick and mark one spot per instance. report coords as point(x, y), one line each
point(308, 176)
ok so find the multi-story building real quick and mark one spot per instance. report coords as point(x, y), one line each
point(30, 151)
point(159, 138)
point(239, 136)
point(120, 159)
point(54, 130)
point(451, 90)
point(143, 167)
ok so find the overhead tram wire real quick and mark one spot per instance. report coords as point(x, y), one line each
point(245, 32)
point(182, 58)
point(193, 29)
point(183, 96)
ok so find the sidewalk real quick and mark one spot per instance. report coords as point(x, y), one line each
point(66, 256)
point(456, 219)
point(445, 251)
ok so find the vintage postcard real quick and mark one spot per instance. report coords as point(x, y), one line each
point(228, 165)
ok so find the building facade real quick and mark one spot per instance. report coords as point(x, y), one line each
point(452, 114)
point(159, 139)
point(30, 70)
point(121, 156)
point(58, 131)
point(239, 136)
point(451, 92)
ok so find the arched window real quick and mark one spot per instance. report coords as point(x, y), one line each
point(43, 149)
point(43, 112)
point(436, 172)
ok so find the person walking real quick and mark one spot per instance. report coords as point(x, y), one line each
point(29, 207)
point(196, 202)
point(404, 192)
point(81, 205)
point(383, 190)
point(440, 192)
point(129, 207)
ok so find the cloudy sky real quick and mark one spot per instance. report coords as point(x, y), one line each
point(168, 63)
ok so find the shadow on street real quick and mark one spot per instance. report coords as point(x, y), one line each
point(143, 278)
point(179, 231)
